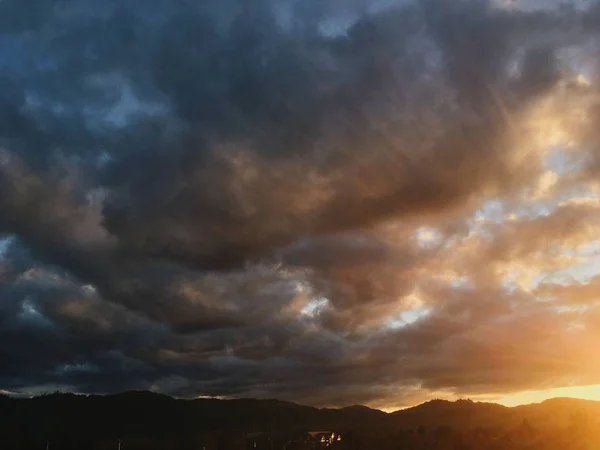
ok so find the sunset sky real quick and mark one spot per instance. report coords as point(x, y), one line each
point(340, 202)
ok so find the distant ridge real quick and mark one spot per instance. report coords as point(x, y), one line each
point(467, 414)
point(434, 405)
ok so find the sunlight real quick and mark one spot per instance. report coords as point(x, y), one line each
point(313, 308)
point(427, 236)
point(591, 392)
point(408, 317)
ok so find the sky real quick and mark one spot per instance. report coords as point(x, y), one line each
point(333, 203)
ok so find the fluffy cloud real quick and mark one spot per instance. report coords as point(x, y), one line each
point(331, 205)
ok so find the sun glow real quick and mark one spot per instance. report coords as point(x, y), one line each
point(581, 392)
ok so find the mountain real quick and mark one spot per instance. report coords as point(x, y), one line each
point(558, 412)
point(466, 414)
point(148, 420)
point(158, 416)
point(461, 414)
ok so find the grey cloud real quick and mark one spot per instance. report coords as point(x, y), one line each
point(93, 346)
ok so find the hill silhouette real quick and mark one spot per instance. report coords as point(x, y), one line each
point(148, 420)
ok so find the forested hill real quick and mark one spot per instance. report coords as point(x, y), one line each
point(144, 420)
point(158, 416)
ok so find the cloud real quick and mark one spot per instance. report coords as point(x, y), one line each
point(577, 293)
point(233, 199)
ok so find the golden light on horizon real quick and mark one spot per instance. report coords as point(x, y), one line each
point(588, 392)
point(591, 392)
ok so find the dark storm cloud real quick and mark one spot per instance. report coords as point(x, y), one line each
point(195, 190)
point(277, 135)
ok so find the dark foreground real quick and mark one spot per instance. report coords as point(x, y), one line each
point(141, 420)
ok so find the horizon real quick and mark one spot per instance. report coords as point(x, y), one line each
point(510, 405)
point(372, 202)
